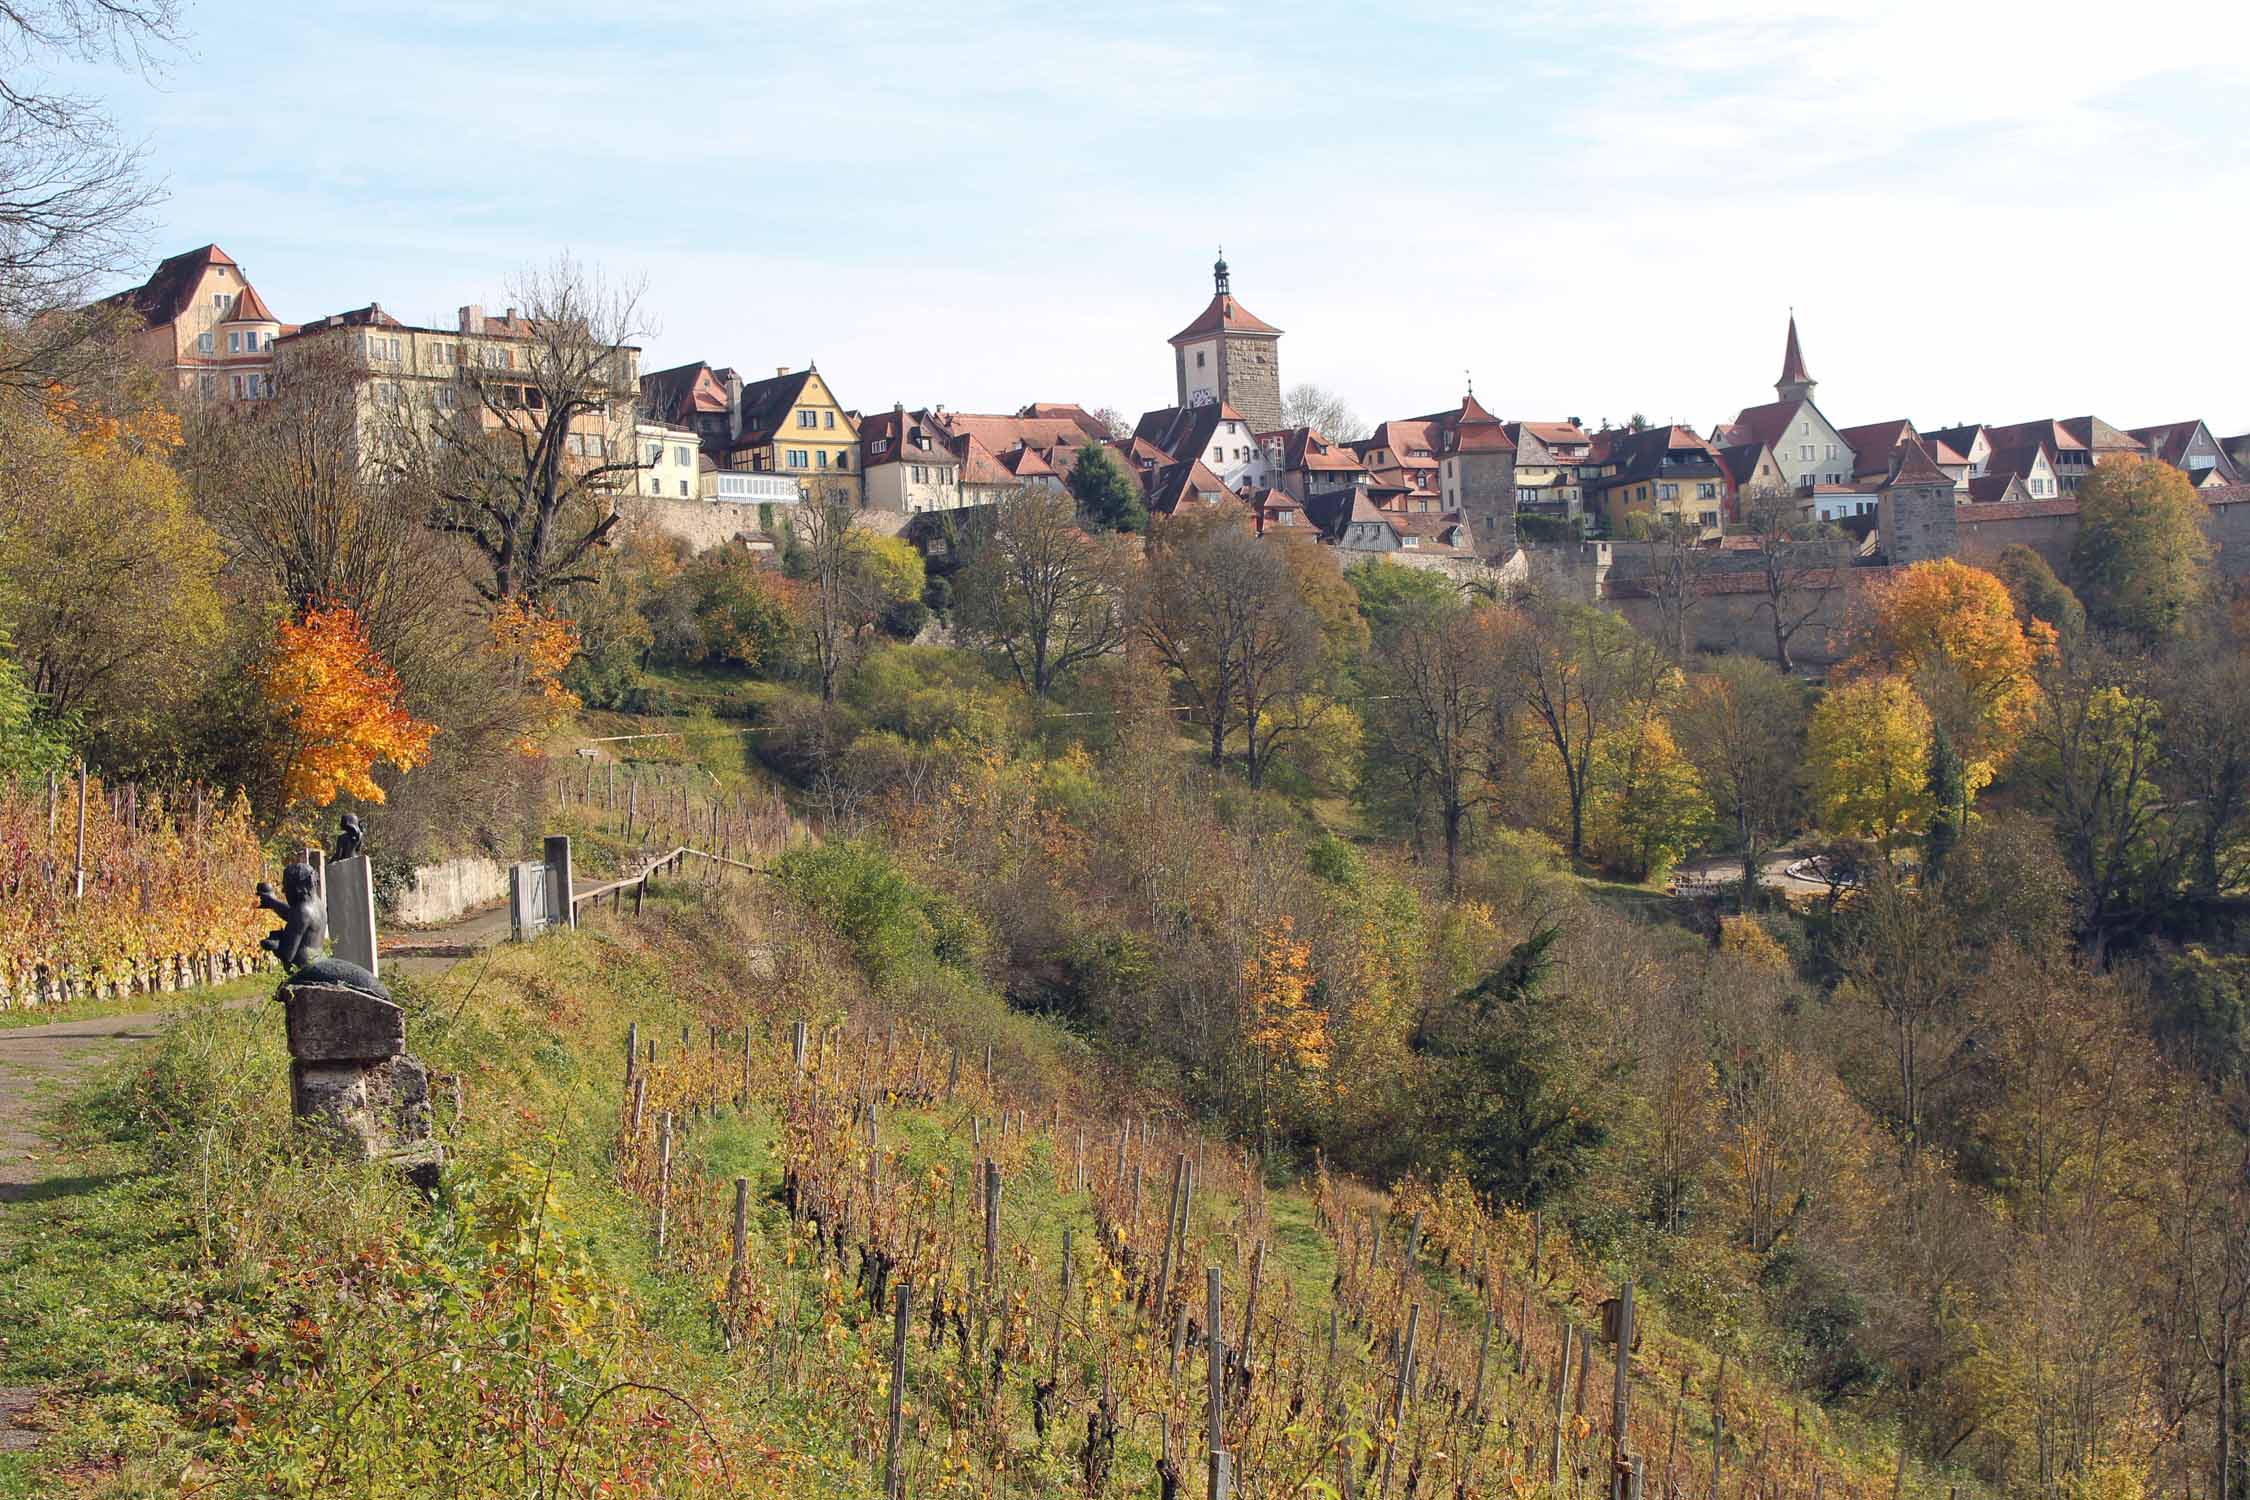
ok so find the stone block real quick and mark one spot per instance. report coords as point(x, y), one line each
point(381, 1110)
point(351, 913)
point(330, 1023)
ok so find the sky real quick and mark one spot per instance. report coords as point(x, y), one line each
point(1979, 212)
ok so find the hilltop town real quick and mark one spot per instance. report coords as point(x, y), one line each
point(1616, 514)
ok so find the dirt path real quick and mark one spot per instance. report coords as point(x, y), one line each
point(42, 1064)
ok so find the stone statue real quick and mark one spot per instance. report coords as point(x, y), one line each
point(304, 934)
point(350, 842)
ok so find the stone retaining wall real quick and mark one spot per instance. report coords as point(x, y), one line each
point(441, 892)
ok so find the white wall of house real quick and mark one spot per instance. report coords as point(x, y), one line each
point(1237, 457)
point(1199, 372)
point(1812, 451)
point(915, 482)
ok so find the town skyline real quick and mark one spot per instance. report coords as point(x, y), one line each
point(1965, 286)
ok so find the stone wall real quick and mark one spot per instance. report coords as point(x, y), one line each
point(441, 892)
point(702, 524)
point(1918, 522)
point(2047, 528)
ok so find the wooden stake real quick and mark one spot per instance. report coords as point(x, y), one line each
point(894, 1482)
point(1215, 1346)
point(1399, 1392)
point(741, 1266)
point(663, 1180)
point(1562, 1394)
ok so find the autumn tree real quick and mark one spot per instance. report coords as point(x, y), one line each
point(1798, 567)
point(1040, 592)
point(1247, 628)
point(1953, 630)
point(339, 707)
point(850, 577)
point(2141, 560)
point(1581, 675)
point(1869, 749)
point(527, 448)
point(109, 581)
point(1741, 724)
point(1646, 807)
point(1437, 741)
point(1106, 495)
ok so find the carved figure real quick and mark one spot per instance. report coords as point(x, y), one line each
point(350, 842)
point(304, 932)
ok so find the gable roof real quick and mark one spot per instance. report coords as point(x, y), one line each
point(1167, 487)
point(249, 307)
point(671, 393)
point(894, 429)
point(1225, 315)
point(172, 285)
point(1307, 448)
point(1042, 427)
point(1995, 488)
point(766, 402)
point(1184, 432)
point(1769, 423)
point(1874, 443)
point(1960, 439)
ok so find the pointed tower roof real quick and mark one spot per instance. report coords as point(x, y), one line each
point(1916, 467)
point(1796, 381)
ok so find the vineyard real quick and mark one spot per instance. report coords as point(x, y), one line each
point(987, 1289)
point(108, 891)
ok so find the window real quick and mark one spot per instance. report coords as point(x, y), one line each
point(683, 489)
point(680, 456)
point(1218, 455)
point(1805, 452)
point(218, 299)
point(844, 459)
point(234, 343)
point(807, 419)
point(239, 393)
point(655, 454)
point(203, 343)
point(1199, 359)
point(1831, 452)
point(828, 420)
point(206, 385)
point(880, 445)
point(797, 459)
point(1706, 492)
point(1667, 492)
point(448, 399)
point(922, 476)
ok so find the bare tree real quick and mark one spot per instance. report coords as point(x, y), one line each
point(71, 193)
point(1799, 562)
point(280, 481)
point(1439, 722)
point(1583, 674)
point(1675, 579)
point(1041, 592)
point(1741, 724)
point(1222, 611)
point(1320, 408)
point(845, 596)
point(532, 442)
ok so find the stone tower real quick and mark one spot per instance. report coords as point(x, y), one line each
point(1230, 356)
point(1915, 511)
point(1477, 468)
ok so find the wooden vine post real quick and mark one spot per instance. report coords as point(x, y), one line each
point(1621, 1472)
point(663, 1180)
point(1222, 1477)
point(894, 1482)
point(1399, 1393)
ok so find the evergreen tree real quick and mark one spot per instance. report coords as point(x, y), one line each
point(1106, 494)
point(1949, 800)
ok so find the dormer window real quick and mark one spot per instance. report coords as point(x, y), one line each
point(880, 445)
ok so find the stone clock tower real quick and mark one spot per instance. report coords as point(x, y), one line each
point(1228, 355)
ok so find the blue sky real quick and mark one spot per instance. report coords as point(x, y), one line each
point(1979, 212)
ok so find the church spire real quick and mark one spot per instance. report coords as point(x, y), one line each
point(1219, 272)
point(1796, 383)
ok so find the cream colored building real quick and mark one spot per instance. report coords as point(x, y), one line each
point(414, 388)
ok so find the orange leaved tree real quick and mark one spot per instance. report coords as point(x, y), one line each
point(1953, 632)
point(340, 707)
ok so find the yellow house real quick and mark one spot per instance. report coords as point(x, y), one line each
point(794, 425)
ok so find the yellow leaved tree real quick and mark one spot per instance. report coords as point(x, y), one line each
point(536, 646)
point(341, 709)
point(1285, 1026)
point(1870, 754)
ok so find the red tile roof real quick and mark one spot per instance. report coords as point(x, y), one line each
point(1226, 314)
point(172, 285)
point(1873, 443)
point(249, 307)
point(1918, 468)
point(1762, 424)
point(2015, 510)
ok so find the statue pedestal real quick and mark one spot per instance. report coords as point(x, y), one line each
point(349, 1071)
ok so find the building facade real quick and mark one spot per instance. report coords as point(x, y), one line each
point(203, 325)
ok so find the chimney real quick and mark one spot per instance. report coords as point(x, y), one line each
point(511, 315)
point(898, 408)
point(781, 369)
point(734, 406)
point(472, 318)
